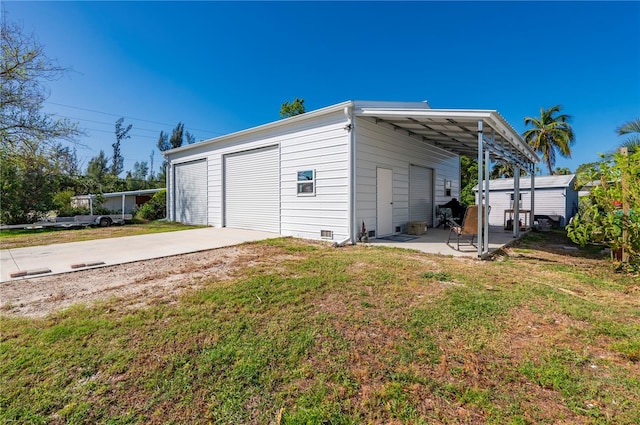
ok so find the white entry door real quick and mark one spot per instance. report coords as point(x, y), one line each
point(384, 202)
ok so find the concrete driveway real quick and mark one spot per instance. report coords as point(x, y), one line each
point(45, 260)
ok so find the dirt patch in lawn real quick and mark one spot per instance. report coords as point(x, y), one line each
point(136, 284)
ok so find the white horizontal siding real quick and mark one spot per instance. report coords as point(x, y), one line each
point(378, 145)
point(327, 152)
point(320, 143)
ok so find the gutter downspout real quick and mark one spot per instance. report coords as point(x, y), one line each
point(348, 112)
point(480, 186)
point(169, 201)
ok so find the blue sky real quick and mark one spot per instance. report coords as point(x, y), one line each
point(223, 67)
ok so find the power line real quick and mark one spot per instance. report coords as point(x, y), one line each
point(99, 122)
point(111, 132)
point(125, 116)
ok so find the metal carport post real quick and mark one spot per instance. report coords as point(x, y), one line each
point(481, 200)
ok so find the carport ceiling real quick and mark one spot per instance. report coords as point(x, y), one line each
point(457, 131)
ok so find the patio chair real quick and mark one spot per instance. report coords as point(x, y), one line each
point(468, 227)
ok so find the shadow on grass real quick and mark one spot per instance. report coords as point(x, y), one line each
point(554, 242)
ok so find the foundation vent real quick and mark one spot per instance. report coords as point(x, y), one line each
point(326, 234)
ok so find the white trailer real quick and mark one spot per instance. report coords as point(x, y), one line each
point(103, 220)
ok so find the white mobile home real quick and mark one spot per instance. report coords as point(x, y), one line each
point(321, 174)
point(556, 198)
point(123, 202)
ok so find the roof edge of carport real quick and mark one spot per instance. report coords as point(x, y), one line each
point(491, 117)
point(268, 126)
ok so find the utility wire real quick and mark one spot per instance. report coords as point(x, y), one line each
point(124, 116)
point(100, 122)
point(132, 135)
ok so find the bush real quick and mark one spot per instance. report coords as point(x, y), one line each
point(600, 219)
point(156, 208)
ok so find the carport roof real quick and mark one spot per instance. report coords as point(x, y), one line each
point(456, 130)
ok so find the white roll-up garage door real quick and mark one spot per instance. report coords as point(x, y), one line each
point(252, 189)
point(190, 181)
point(421, 194)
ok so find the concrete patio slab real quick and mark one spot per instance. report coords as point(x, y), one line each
point(435, 242)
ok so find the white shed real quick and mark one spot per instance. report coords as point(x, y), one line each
point(556, 198)
point(321, 174)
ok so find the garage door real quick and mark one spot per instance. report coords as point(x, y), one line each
point(191, 192)
point(252, 189)
point(421, 194)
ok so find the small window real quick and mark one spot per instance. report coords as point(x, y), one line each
point(307, 183)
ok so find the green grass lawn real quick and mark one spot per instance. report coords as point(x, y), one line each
point(308, 334)
point(20, 238)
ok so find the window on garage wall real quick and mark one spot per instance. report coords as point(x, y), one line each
point(307, 183)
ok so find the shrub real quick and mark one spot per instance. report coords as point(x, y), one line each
point(156, 208)
point(601, 219)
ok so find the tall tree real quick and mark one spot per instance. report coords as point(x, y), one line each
point(163, 142)
point(137, 178)
point(296, 107)
point(151, 173)
point(633, 128)
point(163, 145)
point(176, 138)
point(122, 133)
point(27, 184)
point(505, 169)
point(140, 170)
point(561, 171)
point(550, 133)
point(98, 167)
point(468, 179)
point(65, 159)
point(30, 168)
point(24, 69)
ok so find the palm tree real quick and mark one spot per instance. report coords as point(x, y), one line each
point(550, 133)
point(505, 169)
point(561, 171)
point(633, 128)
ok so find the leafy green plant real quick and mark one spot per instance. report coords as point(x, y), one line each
point(156, 208)
point(601, 219)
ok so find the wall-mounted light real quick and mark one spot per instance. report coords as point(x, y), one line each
point(447, 187)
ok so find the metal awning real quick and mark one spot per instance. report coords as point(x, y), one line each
point(483, 134)
point(456, 130)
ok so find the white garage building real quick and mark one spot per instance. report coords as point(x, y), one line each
point(321, 174)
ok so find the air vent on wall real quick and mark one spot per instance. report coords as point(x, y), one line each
point(372, 233)
point(326, 234)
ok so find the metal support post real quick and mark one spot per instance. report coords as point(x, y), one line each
point(480, 191)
